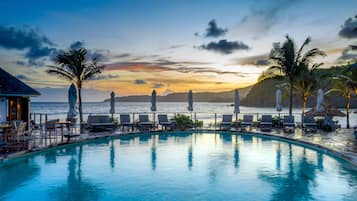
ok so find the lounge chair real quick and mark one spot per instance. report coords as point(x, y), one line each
point(18, 138)
point(125, 122)
point(266, 123)
point(226, 122)
point(247, 121)
point(51, 129)
point(289, 123)
point(165, 123)
point(100, 122)
point(309, 124)
point(145, 123)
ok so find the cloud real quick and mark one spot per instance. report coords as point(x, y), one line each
point(136, 67)
point(120, 56)
point(348, 55)
point(139, 82)
point(172, 47)
point(167, 92)
point(349, 28)
point(261, 20)
point(101, 55)
point(165, 65)
point(20, 63)
point(35, 44)
point(77, 45)
point(22, 77)
point(224, 46)
point(105, 77)
point(157, 85)
point(257, 60)
point(214, 31)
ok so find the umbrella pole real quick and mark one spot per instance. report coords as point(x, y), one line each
point(154, 120)
point(279, 120)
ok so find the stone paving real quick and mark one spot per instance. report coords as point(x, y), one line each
point(342, 143)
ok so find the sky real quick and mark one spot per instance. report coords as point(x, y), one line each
point(170, 46)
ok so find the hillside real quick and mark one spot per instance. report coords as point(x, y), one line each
point(226, 96)
point(262, 94)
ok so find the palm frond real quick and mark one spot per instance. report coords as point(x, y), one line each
point(60, 73)
point(311, 54)
point(299, 53)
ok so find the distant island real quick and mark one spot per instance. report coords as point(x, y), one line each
point(261, 94)
point(226, 96)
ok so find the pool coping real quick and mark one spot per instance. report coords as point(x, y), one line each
point(348, 157)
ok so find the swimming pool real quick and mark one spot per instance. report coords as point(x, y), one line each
point(179, 166)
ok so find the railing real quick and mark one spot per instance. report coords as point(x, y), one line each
point(210, 120)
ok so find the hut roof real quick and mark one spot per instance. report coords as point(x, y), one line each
point(11, 86)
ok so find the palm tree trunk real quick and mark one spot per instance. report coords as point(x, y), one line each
point(348, 97)
point(80, 106)
point(291, 98)
point(304, 101)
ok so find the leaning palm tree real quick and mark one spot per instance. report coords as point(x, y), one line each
point(288, 59)
point(351, 72)
point(306, 82)
point(345, 85)
point(75, 66)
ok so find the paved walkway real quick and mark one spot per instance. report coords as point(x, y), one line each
point(342, 143)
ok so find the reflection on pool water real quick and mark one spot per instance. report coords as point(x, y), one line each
point(180, 166)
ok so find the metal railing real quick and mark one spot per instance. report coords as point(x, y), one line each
point(209, 120)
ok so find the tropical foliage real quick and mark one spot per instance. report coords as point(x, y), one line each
point(306, 82)
point(288, 61)
point(75, 66)
point(346, 86)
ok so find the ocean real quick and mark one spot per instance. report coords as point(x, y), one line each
point(204, 111)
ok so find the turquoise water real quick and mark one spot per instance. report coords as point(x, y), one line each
point(181, 166)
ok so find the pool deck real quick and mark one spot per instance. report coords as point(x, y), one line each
point(341, 143)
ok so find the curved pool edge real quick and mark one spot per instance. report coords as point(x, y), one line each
point(344, 156)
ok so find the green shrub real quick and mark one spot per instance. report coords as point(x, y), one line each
point(198, 124)
point(183, 122)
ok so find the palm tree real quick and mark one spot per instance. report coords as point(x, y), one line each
point(75, 66)
point(345, 85)
point(306, 82)
point(288, 59)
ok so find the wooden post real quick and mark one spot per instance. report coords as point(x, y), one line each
point(215, 121)
point(195, 121)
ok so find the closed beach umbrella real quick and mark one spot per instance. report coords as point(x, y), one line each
point(72, 100)
point(278, 103)
point(236, 103)
point(190, 101)
point(320, 101)
point(112, 103)
point(153, 101)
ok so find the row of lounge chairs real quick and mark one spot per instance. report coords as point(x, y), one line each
point(266, 123)
point(102, 122)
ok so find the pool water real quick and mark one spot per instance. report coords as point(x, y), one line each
point(179, 166)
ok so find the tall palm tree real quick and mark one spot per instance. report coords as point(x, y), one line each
point(288, 59)
point(345, 85)
point(306, 82)
point(75, 66)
